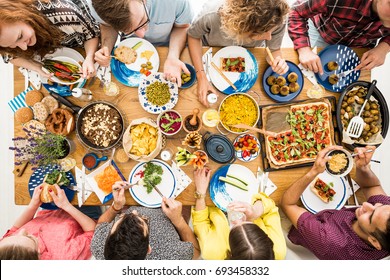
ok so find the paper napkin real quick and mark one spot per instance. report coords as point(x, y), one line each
point(271, 187)
point(87, 188)
point(182, 179)
point(206, 59)
point(104, 74)
point(19, 100)
point(32, 76)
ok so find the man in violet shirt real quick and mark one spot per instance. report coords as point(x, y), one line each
point(355, 233)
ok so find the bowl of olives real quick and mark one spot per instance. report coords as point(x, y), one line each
point(187, 80)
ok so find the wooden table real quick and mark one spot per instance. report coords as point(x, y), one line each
point(127, 101)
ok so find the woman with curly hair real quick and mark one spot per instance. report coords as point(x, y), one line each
point(248, 23)
point(33, 28)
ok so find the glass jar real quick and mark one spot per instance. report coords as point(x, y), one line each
point(235, 217)
point(82, 94)
point(111, 89)
point(210, 118)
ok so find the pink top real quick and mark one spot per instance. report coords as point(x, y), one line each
point(60, 237)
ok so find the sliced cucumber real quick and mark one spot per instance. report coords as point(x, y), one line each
point(233, 182)
point(136, 46)
point(234, 177)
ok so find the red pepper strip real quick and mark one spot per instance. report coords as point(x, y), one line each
point(62, 67)
point(63, 75)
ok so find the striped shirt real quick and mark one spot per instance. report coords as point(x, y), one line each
point(346, 22)
point(329, 234)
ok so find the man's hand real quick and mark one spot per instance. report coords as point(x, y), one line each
point(204, 88)
point(173, 68)
point(374, 57)
point(363, 159)
point(202, 179)
point(310, 60)
point(172, 209)
point(118, 192)
point(103, 57)
point(319, 164)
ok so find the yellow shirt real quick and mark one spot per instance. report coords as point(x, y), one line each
point(212, 229)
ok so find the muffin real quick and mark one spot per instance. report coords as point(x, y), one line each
point(32, 97)
point(332, 65)
point(292, 77)
point(281, 81)
point(24, 114)
point(275, 89)
point(293, 86)
point(284, 90)
point(271, 80)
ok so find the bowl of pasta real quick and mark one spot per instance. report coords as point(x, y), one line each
point(236, 109)
point(340, 163)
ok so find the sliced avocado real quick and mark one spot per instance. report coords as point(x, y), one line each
point(233, 182)
point(234, 177)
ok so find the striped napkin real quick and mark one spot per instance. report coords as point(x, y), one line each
point(19, 101)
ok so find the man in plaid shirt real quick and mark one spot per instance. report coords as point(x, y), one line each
point(354, 23)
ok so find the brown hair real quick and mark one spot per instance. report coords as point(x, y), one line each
point(383, 237)
point(17, 252)
point(48, 36)
point(249, 242)
point(240, 17)
point(115, 13)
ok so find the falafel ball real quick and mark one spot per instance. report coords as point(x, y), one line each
point(292, 77)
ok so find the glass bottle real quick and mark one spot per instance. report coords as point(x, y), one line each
point(83, 94)
point(212, 99)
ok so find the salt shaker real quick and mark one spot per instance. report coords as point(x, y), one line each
point(83, 94)
point(212, 99)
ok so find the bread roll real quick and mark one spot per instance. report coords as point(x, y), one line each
point(45, 194)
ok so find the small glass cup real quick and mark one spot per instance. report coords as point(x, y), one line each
point(235, 217)
point(111, 89)
point(316, 91)
point(166, 154)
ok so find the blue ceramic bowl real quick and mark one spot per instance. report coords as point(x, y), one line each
point(91, 160)
point(193, 76)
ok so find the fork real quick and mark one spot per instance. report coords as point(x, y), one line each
point(356, 124)
point(103, 79)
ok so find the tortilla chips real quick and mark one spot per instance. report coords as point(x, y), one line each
point(144, 139)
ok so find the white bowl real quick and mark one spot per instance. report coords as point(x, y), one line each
point(346, 169)
point(159, 119)
point(65, 59)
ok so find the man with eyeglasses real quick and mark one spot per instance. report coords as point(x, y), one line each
point(161, 22)
point(139, 233)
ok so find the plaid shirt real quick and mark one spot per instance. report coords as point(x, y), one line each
point(347, 22)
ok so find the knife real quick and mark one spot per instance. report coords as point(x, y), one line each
point(157, 190)
point(259, 177)
point(83, 184)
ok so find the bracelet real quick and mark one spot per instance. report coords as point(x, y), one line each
point(199, 71)
point(113, 208)
point(199, 195)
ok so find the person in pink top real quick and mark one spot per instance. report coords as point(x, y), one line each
point(63, 234)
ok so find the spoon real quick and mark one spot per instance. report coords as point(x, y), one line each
point(262, 131)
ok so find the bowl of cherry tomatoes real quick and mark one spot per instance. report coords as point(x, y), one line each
point(247, 147)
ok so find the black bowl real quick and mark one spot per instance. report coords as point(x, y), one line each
point(384, 110)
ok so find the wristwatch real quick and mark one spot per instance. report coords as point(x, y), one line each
point(199, 195)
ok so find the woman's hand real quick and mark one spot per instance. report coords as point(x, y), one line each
point(251, 212)
point(202, 179)
point(60, 198)
point(204, 88)
point(36, 197)
point(88, 68)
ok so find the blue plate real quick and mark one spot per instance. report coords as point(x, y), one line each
point(346, 58)
point(222, 193)
point(37, 178)
point(292, 67)
point(243, 81)
point(128, 74)
point(193, 76)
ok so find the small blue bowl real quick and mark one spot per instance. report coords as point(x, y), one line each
point(193, 76)
point(91, 160)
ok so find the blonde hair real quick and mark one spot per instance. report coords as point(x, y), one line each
point(240, 17)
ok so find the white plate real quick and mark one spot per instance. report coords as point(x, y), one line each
point(314, 204)
point(240, 152)
point(128, 74)
point(155, 109)
point(223, 193)
point(91, 180)
point(69, 60)
point(64, 89)
point(243, 81)
point(167, 186)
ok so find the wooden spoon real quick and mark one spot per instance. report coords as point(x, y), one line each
point(194, 120)
point(262, 131)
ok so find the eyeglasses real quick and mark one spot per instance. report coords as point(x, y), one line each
point(127, 35)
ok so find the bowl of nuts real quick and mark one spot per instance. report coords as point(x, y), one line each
point(187, 80)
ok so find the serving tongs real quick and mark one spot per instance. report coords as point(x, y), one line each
point(259, 130)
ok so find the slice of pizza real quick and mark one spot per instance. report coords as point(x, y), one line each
point(233, 64)
point(322, 190)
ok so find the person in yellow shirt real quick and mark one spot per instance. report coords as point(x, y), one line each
point(259, 237)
